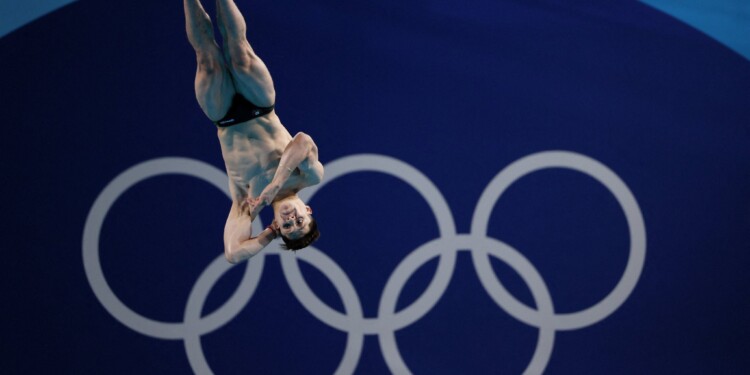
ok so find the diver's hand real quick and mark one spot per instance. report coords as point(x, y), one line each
point(274, 228)
point(269, 193)
point(253, 205)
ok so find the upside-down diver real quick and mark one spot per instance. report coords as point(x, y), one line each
point(264, 163)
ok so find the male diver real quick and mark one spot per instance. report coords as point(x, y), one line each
point(265, 164)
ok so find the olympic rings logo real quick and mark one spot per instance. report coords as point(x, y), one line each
point(388, 320)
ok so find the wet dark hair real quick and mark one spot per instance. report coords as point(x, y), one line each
point(303, 241)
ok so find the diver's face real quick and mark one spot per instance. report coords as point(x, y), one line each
point(293, 218)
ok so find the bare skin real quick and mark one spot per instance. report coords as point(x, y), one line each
point(265, 164)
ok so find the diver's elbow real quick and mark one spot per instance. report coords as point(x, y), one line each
point(230, 255)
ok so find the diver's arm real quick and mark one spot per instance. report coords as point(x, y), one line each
point(239, 244)
point(311, 168)
point(300, 153)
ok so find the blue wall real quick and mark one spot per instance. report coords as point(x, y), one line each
point(536, 186)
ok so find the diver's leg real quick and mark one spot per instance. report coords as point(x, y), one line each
point(251, 77)
point(213, 82)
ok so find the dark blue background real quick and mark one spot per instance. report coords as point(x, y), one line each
point(458, 90)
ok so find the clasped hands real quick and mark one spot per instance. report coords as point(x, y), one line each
point(254, 205)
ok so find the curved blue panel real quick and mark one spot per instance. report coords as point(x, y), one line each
point(727, 21)
point(14, 14)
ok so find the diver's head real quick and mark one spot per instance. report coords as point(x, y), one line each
point(295, 223)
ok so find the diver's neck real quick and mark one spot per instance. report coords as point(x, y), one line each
point(282, 198)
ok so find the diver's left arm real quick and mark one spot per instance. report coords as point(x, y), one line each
point(300, 153)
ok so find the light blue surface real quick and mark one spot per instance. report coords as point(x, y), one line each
point(727, 21)
point(16, 13)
